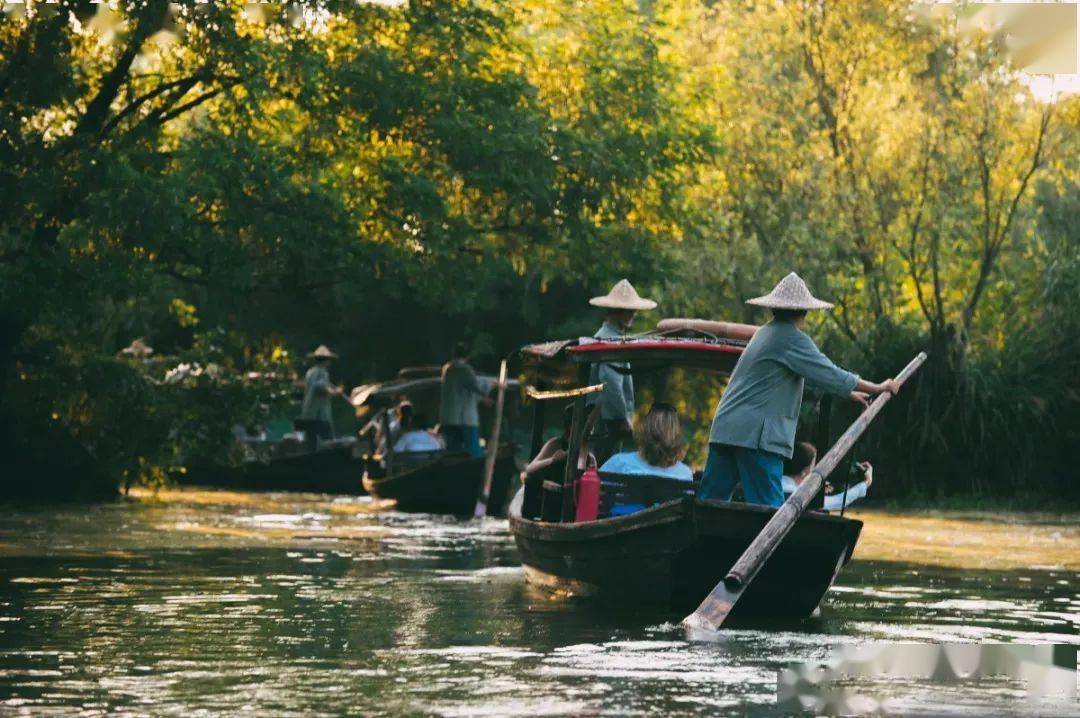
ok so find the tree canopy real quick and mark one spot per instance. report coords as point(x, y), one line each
point(239, 182)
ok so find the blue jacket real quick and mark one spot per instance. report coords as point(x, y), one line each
point(760, 407)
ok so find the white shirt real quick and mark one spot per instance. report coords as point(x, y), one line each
point(416, 441)
point(833, 502)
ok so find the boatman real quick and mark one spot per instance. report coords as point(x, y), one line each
point(461, 391)
point(753, 430)
point(315, 415)
point(617, 399)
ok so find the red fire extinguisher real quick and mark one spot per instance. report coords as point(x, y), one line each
point(587, 494)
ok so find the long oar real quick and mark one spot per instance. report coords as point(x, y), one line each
point(493, 446)
point(712, 612)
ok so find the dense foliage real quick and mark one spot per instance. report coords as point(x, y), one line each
point(238, 183)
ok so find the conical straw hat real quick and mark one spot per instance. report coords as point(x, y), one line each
point(138, 348)
point(790, 293)
point(623, 296)
point(323, 352)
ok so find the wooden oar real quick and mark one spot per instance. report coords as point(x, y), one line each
point(493, 446)
point(712, 612)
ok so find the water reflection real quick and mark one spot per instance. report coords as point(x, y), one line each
point(230, 603)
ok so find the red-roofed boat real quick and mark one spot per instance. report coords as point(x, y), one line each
point(672, 553)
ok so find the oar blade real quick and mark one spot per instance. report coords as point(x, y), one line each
point(713, 611)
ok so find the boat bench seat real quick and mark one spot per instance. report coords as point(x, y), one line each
point(640, 489)
point(417, 457)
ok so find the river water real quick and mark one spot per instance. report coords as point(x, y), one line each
point(216, 603)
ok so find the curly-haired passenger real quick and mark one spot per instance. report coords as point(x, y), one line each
point(661, 447)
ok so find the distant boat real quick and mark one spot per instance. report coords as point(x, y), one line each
point(438, 482)
point(445, 483)
point(336, 467)
point(673, 552)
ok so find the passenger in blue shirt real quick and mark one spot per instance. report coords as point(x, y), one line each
point(661, 447)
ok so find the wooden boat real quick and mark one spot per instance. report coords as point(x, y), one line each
point(334, 468)
point(674, 552)
point(431, 482)
point(445, 484)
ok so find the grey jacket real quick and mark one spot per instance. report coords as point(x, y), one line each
point(316, 404)
point(617, 398)
point(459, 394)
point(760, 407)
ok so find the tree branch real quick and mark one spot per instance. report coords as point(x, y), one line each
point(97, 110)
point(186, 82)
point(992, 245)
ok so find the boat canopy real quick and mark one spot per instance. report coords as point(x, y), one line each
point(558, 363)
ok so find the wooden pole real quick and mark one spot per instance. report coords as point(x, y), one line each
point(730, 330)
point(493, 446)
point(717, 605)
point(539, 412)
point(577, 438)
point(823, 437)
point(388, 452)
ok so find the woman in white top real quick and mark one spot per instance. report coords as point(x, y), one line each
point(803, 461)
point(416, 437)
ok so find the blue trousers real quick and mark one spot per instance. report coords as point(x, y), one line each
point(462, 438)
point(758, 471)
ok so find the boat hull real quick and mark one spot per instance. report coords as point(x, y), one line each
point(327, 471)
point(447, 485)
point(673, 554)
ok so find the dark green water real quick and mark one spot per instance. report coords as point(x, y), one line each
point(311, 606)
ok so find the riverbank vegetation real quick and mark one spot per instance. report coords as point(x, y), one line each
point(238, 183)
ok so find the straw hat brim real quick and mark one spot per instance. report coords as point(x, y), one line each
point(773, 302)
point(632, 304)
point(322, 355)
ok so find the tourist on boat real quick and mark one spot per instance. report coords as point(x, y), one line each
point(802, 462)
point(549, 463)
point(753, 430)
point(315, 414)
point(394, 419)
point(553, 452)
point(660, 449)
point(460, 393)
point(617, 399)
point(416, 435)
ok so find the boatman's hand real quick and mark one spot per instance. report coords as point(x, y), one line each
point(868, 472)
point(860, 397)
point(891, 385)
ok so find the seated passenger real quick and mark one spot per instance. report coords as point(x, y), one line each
point(415, 436)
point(391, 429)
point(554, 449)
point(661, 447)
point(803, 461)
